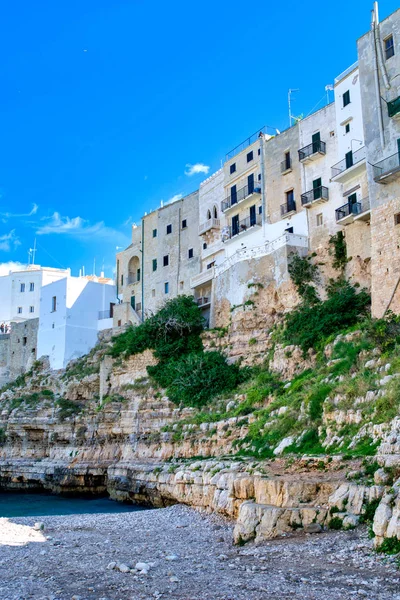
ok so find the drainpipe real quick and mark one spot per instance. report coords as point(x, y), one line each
point(374, 23)
point(380, 51)
point(263, 182)
point(142, 273)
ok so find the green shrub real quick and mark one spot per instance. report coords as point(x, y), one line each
point(385, 333)
point(68, 408)
point(3, 436)
point(338, 244)
point(317, 399)
point(304, 273)
point(307, 326)
point(308, 444)
point(369, 511)
point(336, 523)
point(390, 545)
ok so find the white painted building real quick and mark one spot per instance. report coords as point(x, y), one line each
point(20, 291)
point(72, 312)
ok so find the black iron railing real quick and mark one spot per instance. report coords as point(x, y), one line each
point(288, 207)
point(286, 165)
point(315, 195)
point(313, 148)
point(394, 107)
point(350, 160)
point(386, 167)
point(240, 195)
point(241, 226)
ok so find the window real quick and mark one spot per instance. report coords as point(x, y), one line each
point(19, 310)
point(166, 287)
point(31, 287)
point(349, 159)
point(232, 168)
point(205, 246)
point(210, 265)
point(169, 229)
point(346, 98)
point(259, 177)
point(22, 287)
point(288, 162)
point(397, 219)
point(347, 128)
point(31, 309)
point(153, 293)
point(122, 281)
point(250, 156)
point(119, 323)
point(166, 260)
point(54, 304)
point(181, 284)
point(389, 47)
point(290, 200)
point(208, 215)
point(259, 151)
point(138, 275)
point(260, 210)
point(138, 306)
point(320, 219)
point(233, 195)
point(154, 233)
point(24, 341)
point(154, 264)
point(190, 253)
point(184, 224)
point(215, 212)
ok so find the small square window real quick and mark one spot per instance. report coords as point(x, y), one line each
point(19, 310)
point(320, 219)
point(190, 253)
point(169, 229)
point(346, 98)
point(184, 223)
point(389, 47)
point(153, 293)
point(154, 264)
point(22, 287)
point(31, 309)
point(166, 260)
point(205, 246)
point(154, 233)
point(397, 219)
point(166, 287)
point(232, 168)
point(347, 128)
point(250, 156)
point(31, 287)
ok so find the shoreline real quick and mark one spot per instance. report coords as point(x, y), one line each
point(189, 555)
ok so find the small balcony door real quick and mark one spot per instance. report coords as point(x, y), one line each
point(233, 195)
point(352, 200)
point(250, 183)
point(317, 185)
point(133, 302)
point(253, 218)
point(316, 139)
point(235, 225)
point(349, 159)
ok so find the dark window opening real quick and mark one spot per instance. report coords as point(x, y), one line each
point(166, 260)
point(346, 98)
point(184, 224)
point(190, 253)
point(154, 264)
point(389, 47)
point(347, 128)
point(232, 168)
point(169, 229)
point(154, 233)
point(250, 156)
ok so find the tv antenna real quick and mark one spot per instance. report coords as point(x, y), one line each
point(290, 92)
point(32, 254)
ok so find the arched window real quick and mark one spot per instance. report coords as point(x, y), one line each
point(215, 211)
point(134, 270)
point(208, 214)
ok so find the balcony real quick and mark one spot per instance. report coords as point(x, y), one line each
point(286, 166)
point(133, 279)
point(349, 167)
point(394, 108)
point(315, 196)
point(387, 170)
point(203, 302)
point(202, 278)
point(242, 194)
point(104, 314)
point(353, 212)
point(208, 225)
point(288, 208)
point(312, 151)
point(241, 227)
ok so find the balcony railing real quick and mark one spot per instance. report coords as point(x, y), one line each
point(209, 224)
point(347, 163)
point(203, 301)
point(313, 148)
point(286, 165)
point(104, 314)
point(352, 209)
point(288, 207)
point(133, 279)
point(244, 225)
point(388, 169)
point(240, 195)
point(318, 194)
point(394, 107)
point(202, 278)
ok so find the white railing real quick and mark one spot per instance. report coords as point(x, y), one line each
point(202, 277)
point(346, 72)
point(209, 224)
point(287, 239)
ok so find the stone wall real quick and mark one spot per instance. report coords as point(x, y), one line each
point(23, 346)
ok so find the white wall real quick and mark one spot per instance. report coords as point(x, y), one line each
point(352, 113)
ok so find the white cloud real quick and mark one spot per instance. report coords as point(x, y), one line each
point(6, 267)
point(9, 241)
point(8, 215)
point(80, 228)
point(175, 198)
point(195, 169)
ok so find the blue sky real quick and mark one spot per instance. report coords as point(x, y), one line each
point(106, 106)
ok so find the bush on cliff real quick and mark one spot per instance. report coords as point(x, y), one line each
point(308, 325)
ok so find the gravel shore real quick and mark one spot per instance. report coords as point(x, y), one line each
point(180, 553)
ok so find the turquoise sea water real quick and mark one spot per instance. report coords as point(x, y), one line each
point(35, 505)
